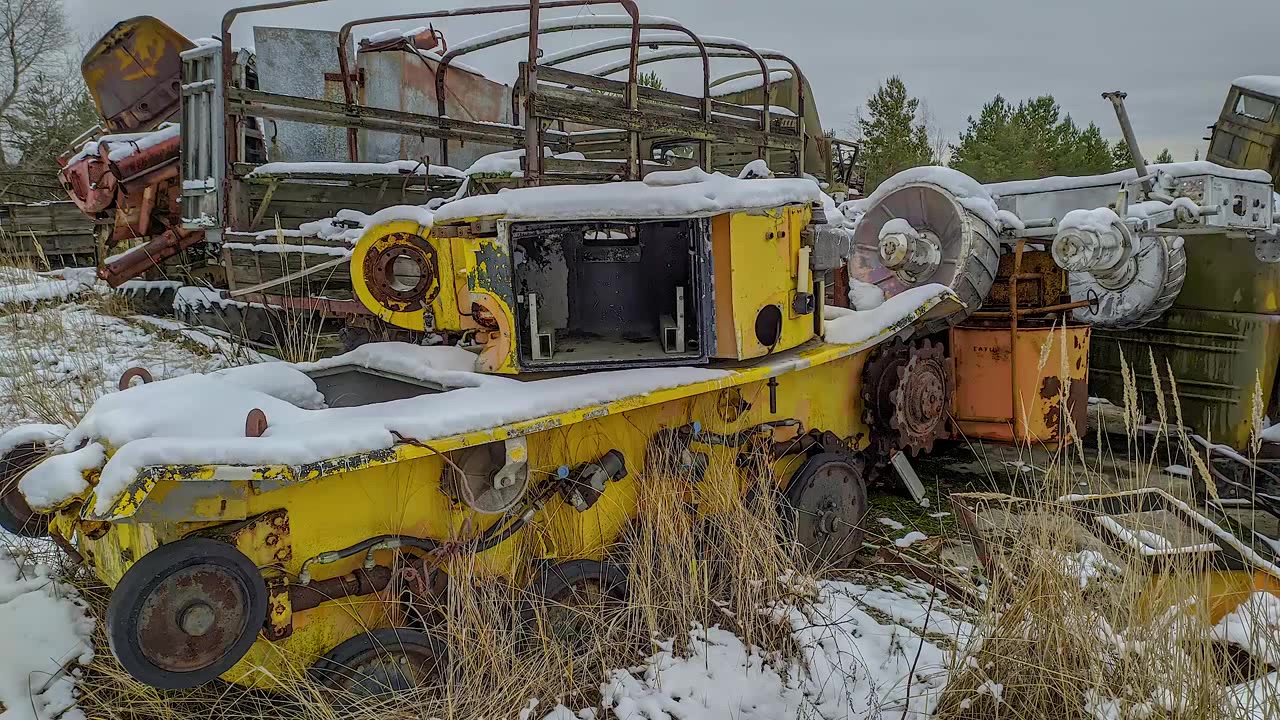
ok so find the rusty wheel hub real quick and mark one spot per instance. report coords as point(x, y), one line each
point(186, 612)
point(16, 515)
point(921, 399)
point(880, 378)
point(192, 618)
point(826, 502)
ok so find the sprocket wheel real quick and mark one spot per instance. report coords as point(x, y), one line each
point(921, 399)
point(880, 378)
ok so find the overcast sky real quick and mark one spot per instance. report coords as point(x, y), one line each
point(1175, 58)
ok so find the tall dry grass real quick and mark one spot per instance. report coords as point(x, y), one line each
point(1075, 629)
point(687, 565)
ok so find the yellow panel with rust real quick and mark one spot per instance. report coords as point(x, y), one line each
point(405, 234)
point(757, 264)
point(405, 497)
point(343, 501)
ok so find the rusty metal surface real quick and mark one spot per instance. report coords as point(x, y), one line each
point(133, 73)
point(135, 373)
point(192, 619)
point(389, 286)
point(281, 56)
point(997, 400)
point(361, 582)
point(397, 79)
point(255, 424)
point(1040, 282)
point(922, 398)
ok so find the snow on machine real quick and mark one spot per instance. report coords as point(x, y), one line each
point(260, 521)
point(1130, 260)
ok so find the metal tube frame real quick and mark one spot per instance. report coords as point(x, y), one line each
point(632, 43)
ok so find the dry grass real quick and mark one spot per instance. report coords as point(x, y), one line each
point(1047, 646)
point(506, 647)
point(1126, 642)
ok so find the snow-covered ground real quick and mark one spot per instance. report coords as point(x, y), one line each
point(870, 647)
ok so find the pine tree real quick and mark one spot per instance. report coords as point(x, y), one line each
point(893, 137)
point(1028, 141)
point(48, 115)
point(1120, 157)
point(1164, 157)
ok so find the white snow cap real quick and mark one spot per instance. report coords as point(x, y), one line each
point(154, 424)
point(971, 195)
point(1261, 84)
point(684, 193)
point(1098, 220)
point(844, 326)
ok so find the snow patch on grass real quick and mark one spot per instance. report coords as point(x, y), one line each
point(44, 631)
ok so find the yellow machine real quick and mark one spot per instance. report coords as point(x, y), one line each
point(224, 568)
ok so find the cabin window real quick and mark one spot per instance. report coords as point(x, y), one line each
point(1255, 107)
point(600, 294)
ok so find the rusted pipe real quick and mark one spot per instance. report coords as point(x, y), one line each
point(358, 583)
point(1047, 309)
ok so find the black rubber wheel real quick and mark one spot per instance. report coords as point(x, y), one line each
point(825, 505)
point(383, 661)
point(562, 593)
point(16, 516)
point(185, 613)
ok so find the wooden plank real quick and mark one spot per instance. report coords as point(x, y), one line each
point(554, 103)
point(619, 88)
point(585, 167)
point(256, 103)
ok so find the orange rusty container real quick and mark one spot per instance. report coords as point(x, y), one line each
point(1013, 384)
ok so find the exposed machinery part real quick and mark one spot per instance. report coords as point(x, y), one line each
point(186, 612)
point(16, 516)
point(584, 485)
point(825, 503)
point(489, 478)
point(906, 397)
point(1106, 253)
point(570, 592)
point(922, 399)
point(383, 661)
point(401, 272)
point(919, 234)
point(1134, 296)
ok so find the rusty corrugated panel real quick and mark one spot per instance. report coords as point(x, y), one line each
point(134, 74)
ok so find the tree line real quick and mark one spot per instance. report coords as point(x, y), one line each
point(44, 104)
point(1031, 139)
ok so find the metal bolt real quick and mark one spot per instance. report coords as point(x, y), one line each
point(196, 619)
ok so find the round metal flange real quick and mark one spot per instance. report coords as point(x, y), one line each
point(826, 502)
point(16, 516)
point(474, 477)
point(402, 272)
point(383, 661)
point(922, 399)
point(255, 423)
point(185, 613)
